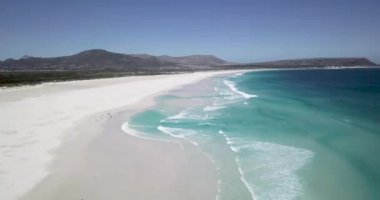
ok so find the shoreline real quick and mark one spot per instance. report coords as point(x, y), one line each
point(112, 164)
point(57, 93)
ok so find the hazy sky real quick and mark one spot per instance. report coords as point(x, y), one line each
point(236, 30)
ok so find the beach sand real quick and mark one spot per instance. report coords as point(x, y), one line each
point(64, 141)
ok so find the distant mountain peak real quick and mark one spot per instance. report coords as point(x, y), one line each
point(26, 57)
point(94, 52)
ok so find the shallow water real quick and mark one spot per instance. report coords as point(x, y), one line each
point(293, 134)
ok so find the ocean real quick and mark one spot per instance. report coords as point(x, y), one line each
point(279, 134)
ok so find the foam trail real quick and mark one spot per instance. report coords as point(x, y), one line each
point(174, 133)
point(176, 118)
point(242, 177)
point(213, 108)
point(185, 115)
point(232, 86)
point(125, 127)
point(178, 133)
point(181, 115)
point(278, 165)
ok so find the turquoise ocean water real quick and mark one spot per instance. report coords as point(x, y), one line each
point(290, 134)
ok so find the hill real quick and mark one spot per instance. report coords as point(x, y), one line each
point(98, 59)
point(195, 60)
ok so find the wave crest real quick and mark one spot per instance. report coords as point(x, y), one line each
point(233, 87)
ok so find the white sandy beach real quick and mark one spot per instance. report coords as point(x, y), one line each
point(59, 141)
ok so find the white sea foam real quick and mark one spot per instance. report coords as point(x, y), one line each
point(186, 115)
point(178, 133)
point(180, 115)
point(274, 165)
point(213, 107)
point(226, 93)
point(127, 129)
point(244, 180)
point(186, 134)
point(233, 87)
point(206, 123)
point(242, 177)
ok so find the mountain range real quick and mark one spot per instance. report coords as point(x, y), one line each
point(311, 63)
point(98, 59)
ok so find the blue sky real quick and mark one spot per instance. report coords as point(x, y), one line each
point(236, 30)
